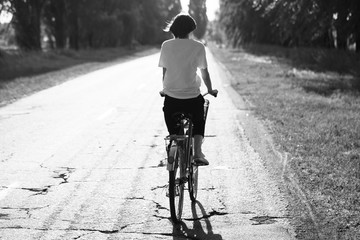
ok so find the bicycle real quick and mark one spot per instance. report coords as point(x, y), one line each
point(180, 164)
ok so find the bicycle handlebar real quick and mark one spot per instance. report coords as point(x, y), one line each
point(214, 94)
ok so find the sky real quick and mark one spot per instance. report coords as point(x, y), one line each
point(211, 6)
point(5, 17)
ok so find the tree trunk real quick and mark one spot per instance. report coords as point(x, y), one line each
point(197, 9)
point(26, 22)
point(59, 28)
point(357, 41)
point(73, 23)
point(341, 25)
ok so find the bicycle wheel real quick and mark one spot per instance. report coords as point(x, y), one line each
point(193, 169)
point(193, 181)
point(176, 185)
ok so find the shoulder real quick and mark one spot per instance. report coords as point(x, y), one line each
point(167, 42)
point(197, 43)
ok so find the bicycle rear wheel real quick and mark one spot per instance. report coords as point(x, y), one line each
point(193, 181)
point(193, 170)
point(176, 186)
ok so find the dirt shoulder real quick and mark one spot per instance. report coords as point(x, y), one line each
point(306, 131)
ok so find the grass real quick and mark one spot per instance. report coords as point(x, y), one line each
point(313, 113)
point(24, 73)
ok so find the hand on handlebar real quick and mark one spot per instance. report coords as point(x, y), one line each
point(213, 92)
point(162, 94)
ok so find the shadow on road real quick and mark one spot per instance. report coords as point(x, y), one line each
point(197, 231)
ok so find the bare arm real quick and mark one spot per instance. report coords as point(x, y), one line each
point(162, 94)
point(206, 77)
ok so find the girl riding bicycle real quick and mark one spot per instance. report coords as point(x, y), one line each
point(180, 58)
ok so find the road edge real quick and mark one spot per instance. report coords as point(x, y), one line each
point(301, 215)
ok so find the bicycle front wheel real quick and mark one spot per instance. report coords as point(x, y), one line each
point(176, 187)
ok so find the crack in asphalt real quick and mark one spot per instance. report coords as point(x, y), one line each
point(68, 229)
point(158, 206)
point(207, 189)
point(143, 233)
point(157, 166)
point(261, 220)
point(63, 173)
point(158, 187)
point(28, 211)
point(86, 230)
point(159, 234)
point(38, 191)
point(135, 198)
point(207, 216)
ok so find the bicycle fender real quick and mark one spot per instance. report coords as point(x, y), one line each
point(171, 158)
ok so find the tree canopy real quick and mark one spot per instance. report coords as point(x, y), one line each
point(324, 23)
point(89, 23)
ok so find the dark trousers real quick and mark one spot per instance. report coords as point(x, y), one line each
point(193, 106)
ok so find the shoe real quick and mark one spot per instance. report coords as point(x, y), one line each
point(201, 161)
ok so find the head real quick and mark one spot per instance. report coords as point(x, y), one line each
point(181, 26)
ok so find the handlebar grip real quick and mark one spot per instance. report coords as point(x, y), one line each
point(215, 93)
point(162, 94)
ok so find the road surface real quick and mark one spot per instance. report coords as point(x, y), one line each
point(84, 160)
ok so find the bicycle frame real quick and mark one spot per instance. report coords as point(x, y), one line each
point(185, 139)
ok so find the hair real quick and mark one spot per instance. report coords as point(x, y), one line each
point(181, 25)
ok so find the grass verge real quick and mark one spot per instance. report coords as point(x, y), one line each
point(24, 73)
point(313, 114)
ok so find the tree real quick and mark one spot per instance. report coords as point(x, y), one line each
point(197, 9)
point(354, 23)
point(90, 23)
point(292, 22)
point(243, 22)
point(155, 14)
point(26, 22)
point(73, 8)
point(55, 20)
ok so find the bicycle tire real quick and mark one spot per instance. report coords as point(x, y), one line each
point(176, 187)
point(193, 181)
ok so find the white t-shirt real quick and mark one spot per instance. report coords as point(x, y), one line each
point(181, 58)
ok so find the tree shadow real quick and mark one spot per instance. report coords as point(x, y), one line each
point(327, 88)
point(197, 231)
point(16, 64)
point(333, 70)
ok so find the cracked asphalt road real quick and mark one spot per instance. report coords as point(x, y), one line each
point(85, 160)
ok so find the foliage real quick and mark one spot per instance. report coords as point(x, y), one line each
point(89, 23)
point(324, 23)
point(197, 9)
point(26, 23)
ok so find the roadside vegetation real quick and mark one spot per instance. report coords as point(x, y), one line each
point(309, 100)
